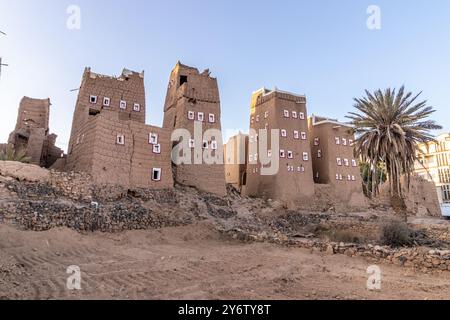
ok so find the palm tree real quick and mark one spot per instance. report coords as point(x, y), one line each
point(388, 127)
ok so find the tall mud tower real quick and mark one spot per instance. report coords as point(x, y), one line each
point(193, 101)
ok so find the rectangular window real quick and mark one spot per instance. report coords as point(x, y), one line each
point(282, 154)
point(269, 153)
point(339, 161)
point(156, 174)
point(214, 145)
point(303, 135)
point(338, 140)
point(123, 105)
point(93, 99)
point(191, 143)
point(284, 133)
point(353, 178)
point(305, 156)
point(341, 177)
point(350, 143)
point(349, 178)
point(286, 113)
point(301, 115)
point(205, 144)
point(294, 114)
point(201, 116)
point(354, 164)
point(266, 114)
point(191, 115)
point(153, 138)
point(106, 102)
point(212, 118)
point(346, 162)
point(316, 141)
point(290, 155)
point(296, 135)
point(337, 176)
point(157, 148)
point(120, 139)
point(319, 154)
point(344, 142)
point(136, 107)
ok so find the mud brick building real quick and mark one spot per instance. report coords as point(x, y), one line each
point(235, 155)
point(110, 139)
point(286, 112)
point(334, 162)
point(32, 135)
point(193, 100)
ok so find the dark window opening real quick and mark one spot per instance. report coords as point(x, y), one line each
point(93, 112)
point(183, 80)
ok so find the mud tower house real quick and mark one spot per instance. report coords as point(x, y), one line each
point(192, 100)
point(110, 139)
point(333, 159)
point(286, 112)
point(31, 133)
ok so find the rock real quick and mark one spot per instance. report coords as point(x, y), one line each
point(330, 250)
point(24, 172)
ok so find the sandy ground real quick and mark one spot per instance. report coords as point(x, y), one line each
point(192, 262)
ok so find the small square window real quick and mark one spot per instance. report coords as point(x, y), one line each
point(156, 174)
point(153, 138)
point(346, 162)
point(266, 114)
point(282, 154)
point(120, 139)
point(123, 105)
point(303, 135)
point(296, 135)
point(339, 161)
point(93, 99)
point(338, 140)
point(301, 115)
point(294, 114)
point(191, 143)
point(136, 107)
point(286, 113)
point(316, 141)
point(191, 115)
point(201, 116)
point(106, 102)
point(344, 142)
point(212, 118)
point(319, 153)
point(305, 156)
point(157, 148)
point(205, 144)
point(214, 145)
point(284, 133)
point(290, 155)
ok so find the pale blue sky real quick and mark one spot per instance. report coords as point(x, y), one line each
point(320, 48)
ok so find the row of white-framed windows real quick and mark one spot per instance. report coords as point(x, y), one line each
point(300, 169)
point(346, 162)
point(294, 114)
point(205, 145)
point(290, 155)
point(201, 116)
point(344, 141)
point(107, 103)
point(340, 177)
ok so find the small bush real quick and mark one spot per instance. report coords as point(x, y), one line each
point(395, 234)
point(9, 154)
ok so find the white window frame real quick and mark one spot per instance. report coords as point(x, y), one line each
point(304, 136)
point(354, 163)
point(316, 141)
point(257, 118)
point(120, 139)
point(301, 116)
point(344, 142)
point(92, 97)
point(337, 176)
point(287, 114)
point(290, 154)
point(159, 171)
point(353, 178)
point(266, 114)
point(123, 105)
point(282, 154)
point(294, 114)
point(283, 133)
point(339, 162)
point(305, 156)
point(319, 154)
point(296, 135)
point(153, 138)
point(337, 140)
point(106, 102)
point(214, 145)
point(136, 107)
point(191, 143)
point(349, 178)
point(191, 115)
point(346, 163)
point(200, 116)
point(157, 148)
point(212, 118)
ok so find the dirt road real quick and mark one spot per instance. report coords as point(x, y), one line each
point(192, 262)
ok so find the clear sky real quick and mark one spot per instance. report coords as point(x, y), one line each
point(320, 48)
